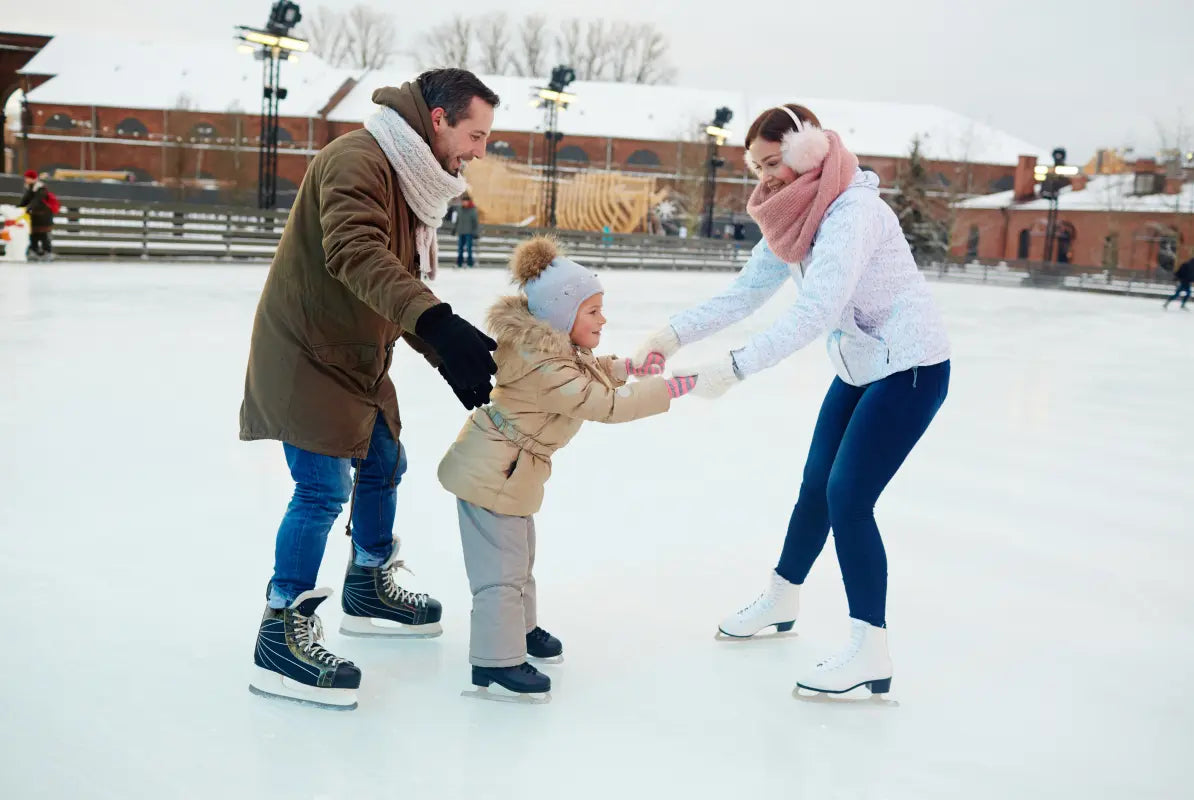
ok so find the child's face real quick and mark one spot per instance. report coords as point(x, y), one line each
point(586, 331)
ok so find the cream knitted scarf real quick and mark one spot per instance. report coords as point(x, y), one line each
point(426, 186)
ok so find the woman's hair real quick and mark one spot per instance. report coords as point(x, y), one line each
point(773, 123)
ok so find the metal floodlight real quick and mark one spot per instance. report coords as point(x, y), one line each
point(720, 134)
point(283, 16)
point(561, 76)
point(1058, 156)
point(1068, 171)
point(722, 117)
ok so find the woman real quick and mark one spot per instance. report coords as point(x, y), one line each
point(825, 226)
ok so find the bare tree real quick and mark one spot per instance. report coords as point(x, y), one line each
point(569, 41)
point(326, 31)
point(532, 47)
point(623, 43)
point(493, 39)
point(369, 37)
point(594, 51)
point(650, 56)
point(449, 44)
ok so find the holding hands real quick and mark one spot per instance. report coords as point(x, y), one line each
point(709, 380)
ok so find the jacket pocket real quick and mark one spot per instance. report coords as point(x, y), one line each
point(356, 359)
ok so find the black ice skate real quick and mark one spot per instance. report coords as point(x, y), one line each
point(375, 605)
point(291, 663)
point(520, 679)
point(541, 644)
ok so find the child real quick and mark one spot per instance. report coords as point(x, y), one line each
point(548, 383)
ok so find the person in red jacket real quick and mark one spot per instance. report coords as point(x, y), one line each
point(41, 216)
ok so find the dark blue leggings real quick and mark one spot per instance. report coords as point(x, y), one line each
point(863, 435)
point(1183, 287)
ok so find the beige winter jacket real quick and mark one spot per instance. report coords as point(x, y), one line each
point(546, 387)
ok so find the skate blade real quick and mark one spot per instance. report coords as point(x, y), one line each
point(504, 696)
point(850, 697)
point(373, 628)
point(761, 636)
point(274, 686)
point(549, 660)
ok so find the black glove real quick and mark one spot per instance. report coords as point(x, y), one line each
point(464, 351)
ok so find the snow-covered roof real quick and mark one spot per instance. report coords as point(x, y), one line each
point(671, 113)
point(103, 71)
point(1102, 193)
point(95, 70)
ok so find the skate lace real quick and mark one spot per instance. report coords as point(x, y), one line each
point(309, 633)
point(845, 654)
point(762, 602)
point(396, 592)
point(537, 635)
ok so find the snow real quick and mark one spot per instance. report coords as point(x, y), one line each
point(1102, 193)
point(671, 113)
point(101, 71)
point(1039, 544)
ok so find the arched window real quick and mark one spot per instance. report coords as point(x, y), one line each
point(60, 122)
point(203, 130)
point(972, 242)
point(644, 158)
point(572, 153)
point(501, 148)
point(131, 126)
point(1022, 246)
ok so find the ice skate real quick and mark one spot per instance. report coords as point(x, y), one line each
point(375, 605)
point(545, 647)
point(290, 662)
point(863, 662)
point(521, 683)
point(777, 606)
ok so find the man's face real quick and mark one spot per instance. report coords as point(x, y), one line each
point(29, 181)
point(453, 145)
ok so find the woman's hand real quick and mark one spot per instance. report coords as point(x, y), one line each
point(713, 379)
point(663, 343)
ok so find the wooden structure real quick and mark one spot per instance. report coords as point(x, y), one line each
point(507, 193)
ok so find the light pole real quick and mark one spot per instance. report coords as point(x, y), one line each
point(1053, 179)
point(717, 133)
point(273, 44)
point(553, 97)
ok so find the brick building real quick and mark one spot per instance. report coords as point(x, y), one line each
point(184, 116)
point(1137, 220)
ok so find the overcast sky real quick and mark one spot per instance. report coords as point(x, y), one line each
point(1078, 73)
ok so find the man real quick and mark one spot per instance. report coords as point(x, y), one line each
point(36, 201)
point(468, 225)
point(343, 287)
point(1184, 275)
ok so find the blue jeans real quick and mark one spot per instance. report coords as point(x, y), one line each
point(321, 488)
point(465, 240)
point(863, 435)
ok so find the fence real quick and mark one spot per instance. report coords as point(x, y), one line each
point(99, 229)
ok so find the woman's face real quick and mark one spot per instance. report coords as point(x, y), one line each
point(773, 172)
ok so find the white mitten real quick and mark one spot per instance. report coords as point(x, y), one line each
point(713, 378)
point(664, 341)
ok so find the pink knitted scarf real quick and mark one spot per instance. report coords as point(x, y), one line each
point(789, 217)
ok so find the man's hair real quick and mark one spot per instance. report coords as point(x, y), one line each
point(453, 90)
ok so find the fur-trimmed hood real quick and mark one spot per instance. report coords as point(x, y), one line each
point(511, 323)
point(524, 340)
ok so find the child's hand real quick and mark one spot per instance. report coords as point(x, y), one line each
point(652, 365)
point(712, 379)
point(662, 342)
point(678, 387)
